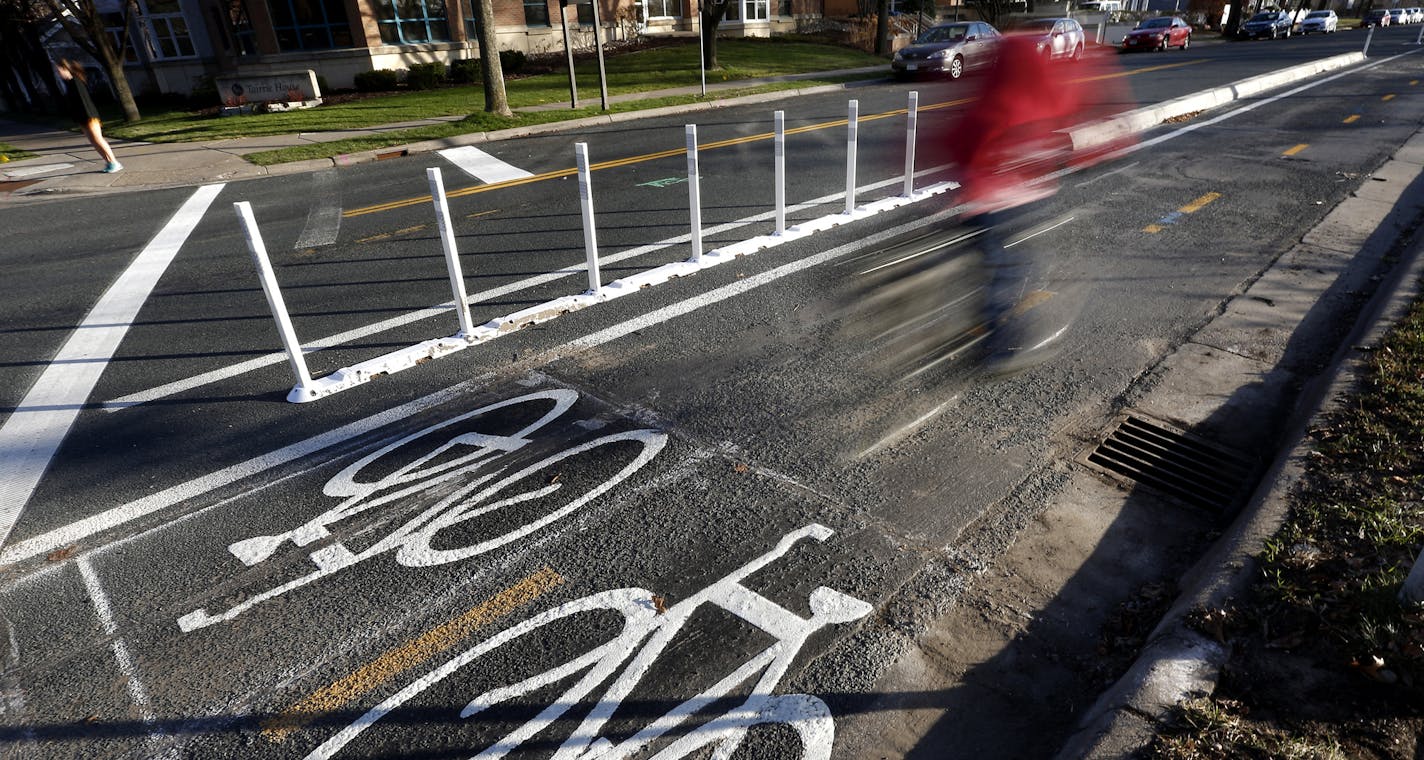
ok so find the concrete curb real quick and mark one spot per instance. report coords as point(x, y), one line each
point(602, 120)
point(1178, 662)
point(1087, 136)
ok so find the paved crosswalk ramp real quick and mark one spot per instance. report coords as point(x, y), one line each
point(482, 166)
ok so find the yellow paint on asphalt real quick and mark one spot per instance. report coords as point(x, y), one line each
point(411, 654)
point(1388, 97)
point(377, 236)
point(1199, 203)
point(1413, 82)
point(1352, 118)
point(1296, 149)
point(1190, 208)
point(408, 230)
point(572, 171)
point(478, 214)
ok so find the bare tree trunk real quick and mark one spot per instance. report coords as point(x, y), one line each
point(712, 14)
point(882, 27)
point(491, 72)
point(86, 28)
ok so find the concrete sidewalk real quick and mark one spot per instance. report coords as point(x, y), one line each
point(65, 163)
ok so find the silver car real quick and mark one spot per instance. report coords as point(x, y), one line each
point(1324, 22)
point(1057, 37)
point(950, 49)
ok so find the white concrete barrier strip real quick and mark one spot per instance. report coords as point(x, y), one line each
point(405, 358)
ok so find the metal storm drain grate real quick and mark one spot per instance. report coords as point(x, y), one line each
point(1177, 464)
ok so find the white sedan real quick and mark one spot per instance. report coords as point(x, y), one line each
point(1324, 22)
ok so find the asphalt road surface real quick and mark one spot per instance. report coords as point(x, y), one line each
point(664, 523)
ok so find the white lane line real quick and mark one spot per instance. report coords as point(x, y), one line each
point(233, 370)
point(112, 518)
point(481, 165)
point(324, 218)
point(30, 171)
point(36, 428)
point(137, 692)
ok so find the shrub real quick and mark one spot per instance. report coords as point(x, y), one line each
point(511, 61)
point(322, 85)
point(465, 71)
point(204, 93)
point(380, 80)
point(425, 76)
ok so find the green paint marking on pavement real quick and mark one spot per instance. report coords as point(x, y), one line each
point(664, 182)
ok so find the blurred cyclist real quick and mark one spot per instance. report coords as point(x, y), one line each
point(1008, 147)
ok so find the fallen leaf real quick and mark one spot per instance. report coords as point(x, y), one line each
point(554, 478)
point(659, 604)
point(740, 467)
point(60, 554)
point(1373, 667)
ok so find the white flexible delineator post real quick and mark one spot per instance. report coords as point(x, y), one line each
point(452, 255)
point(694, 193)
point(590, 234)
point(779, 121)
point(852, 130)
point(913, 114)
point(1368, 36)
point(301, 392)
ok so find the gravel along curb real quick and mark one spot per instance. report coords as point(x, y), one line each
point(1178, 663)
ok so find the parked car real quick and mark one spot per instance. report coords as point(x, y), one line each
point(1158, 33)
point(1396, 17)
point(1057, 37)
point(1416, 15)
point(1270, 24)
point(1324, 22)
point(950, 49)
point(1376, 17)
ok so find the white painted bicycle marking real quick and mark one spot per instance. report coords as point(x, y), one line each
point(472, 457)
point(644, 636)
point(481, 165)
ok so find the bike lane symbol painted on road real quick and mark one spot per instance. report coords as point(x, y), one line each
point(644, 636)
point(445, 456)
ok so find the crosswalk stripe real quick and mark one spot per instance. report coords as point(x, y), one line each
point(482, 166)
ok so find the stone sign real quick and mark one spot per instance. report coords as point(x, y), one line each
point(275, 91)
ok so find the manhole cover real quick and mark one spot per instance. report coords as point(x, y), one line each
point(1175, 463)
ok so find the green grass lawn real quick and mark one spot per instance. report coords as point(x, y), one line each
point(9, 152)
point(641, 71)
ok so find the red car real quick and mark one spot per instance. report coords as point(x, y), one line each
point(1158, 33)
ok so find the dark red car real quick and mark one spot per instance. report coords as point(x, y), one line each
point(1158, 33)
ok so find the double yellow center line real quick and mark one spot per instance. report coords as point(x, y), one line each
point(561, 173)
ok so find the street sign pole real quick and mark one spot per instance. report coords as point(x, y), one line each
point(598, 43)
point(569, 52)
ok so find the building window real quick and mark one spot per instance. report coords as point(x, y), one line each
point(114, 25)
point(166, 29)
point(784, 8)
point(536, 12)
point(747, 10)
point(407, 22)
point(310, 24)
point(585, 12)
point(661, 8)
